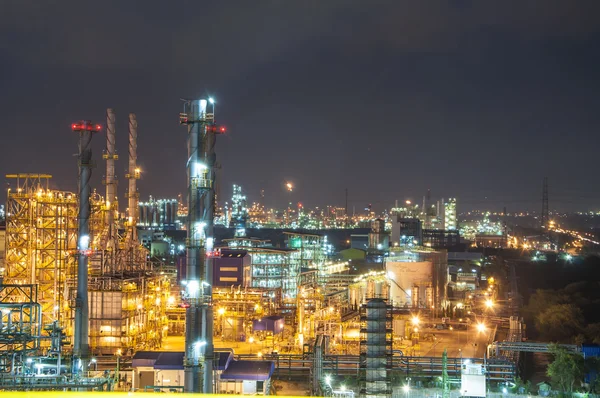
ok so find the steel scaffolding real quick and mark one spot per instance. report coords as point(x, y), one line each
point(41, 234)
point(127, 314)
point(20, 326)
point(375, 349)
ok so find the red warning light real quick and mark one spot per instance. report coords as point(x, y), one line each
point(213, 128)
point(85, 125)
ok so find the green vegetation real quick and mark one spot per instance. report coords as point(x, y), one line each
point(563, 309)
point(566, 371)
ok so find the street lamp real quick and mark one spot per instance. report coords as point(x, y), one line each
point(489, 303)
point(481, 327)
point(415, 320)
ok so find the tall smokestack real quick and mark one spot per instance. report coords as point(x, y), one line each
point(111, 180)
point(199, 349)
point(81, 343)
point(133, 175)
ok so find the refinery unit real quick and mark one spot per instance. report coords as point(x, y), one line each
point(77, 284)
point(79, 287)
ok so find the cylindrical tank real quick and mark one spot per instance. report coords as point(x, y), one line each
point(175, 209)
point(153, 216)
point(168, 213)
point(385, 290)
point(429, 296)
point(353, 296)
point(415, 296)
point(370, 288)
point(143, 214)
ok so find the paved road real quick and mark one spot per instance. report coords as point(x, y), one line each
point(468, 344)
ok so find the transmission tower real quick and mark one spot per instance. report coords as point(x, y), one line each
point(544, 220)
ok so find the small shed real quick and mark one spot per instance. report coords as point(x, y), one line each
point(273, 323)
point(157, 370)
point(247, 377)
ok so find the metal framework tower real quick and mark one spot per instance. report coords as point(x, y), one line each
point(545, 214)
point(239, 212)
point(41, 233)
point(199, 349)
point(375, 349)
point(85, 129)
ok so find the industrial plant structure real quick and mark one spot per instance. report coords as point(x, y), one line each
point(78, 270)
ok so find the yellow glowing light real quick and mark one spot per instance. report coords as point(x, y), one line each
point(415, 320)
point(481, 327)
point(489, 303)
point(221, 311)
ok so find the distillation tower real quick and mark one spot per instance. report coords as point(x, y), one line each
point(199, 349)
point(239, 212)
point(81, 346)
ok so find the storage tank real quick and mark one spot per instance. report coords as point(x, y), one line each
point(370, 288)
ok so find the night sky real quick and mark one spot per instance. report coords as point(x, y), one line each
point(474, 99)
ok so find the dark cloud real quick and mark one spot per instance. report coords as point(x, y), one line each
point(386, 98)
